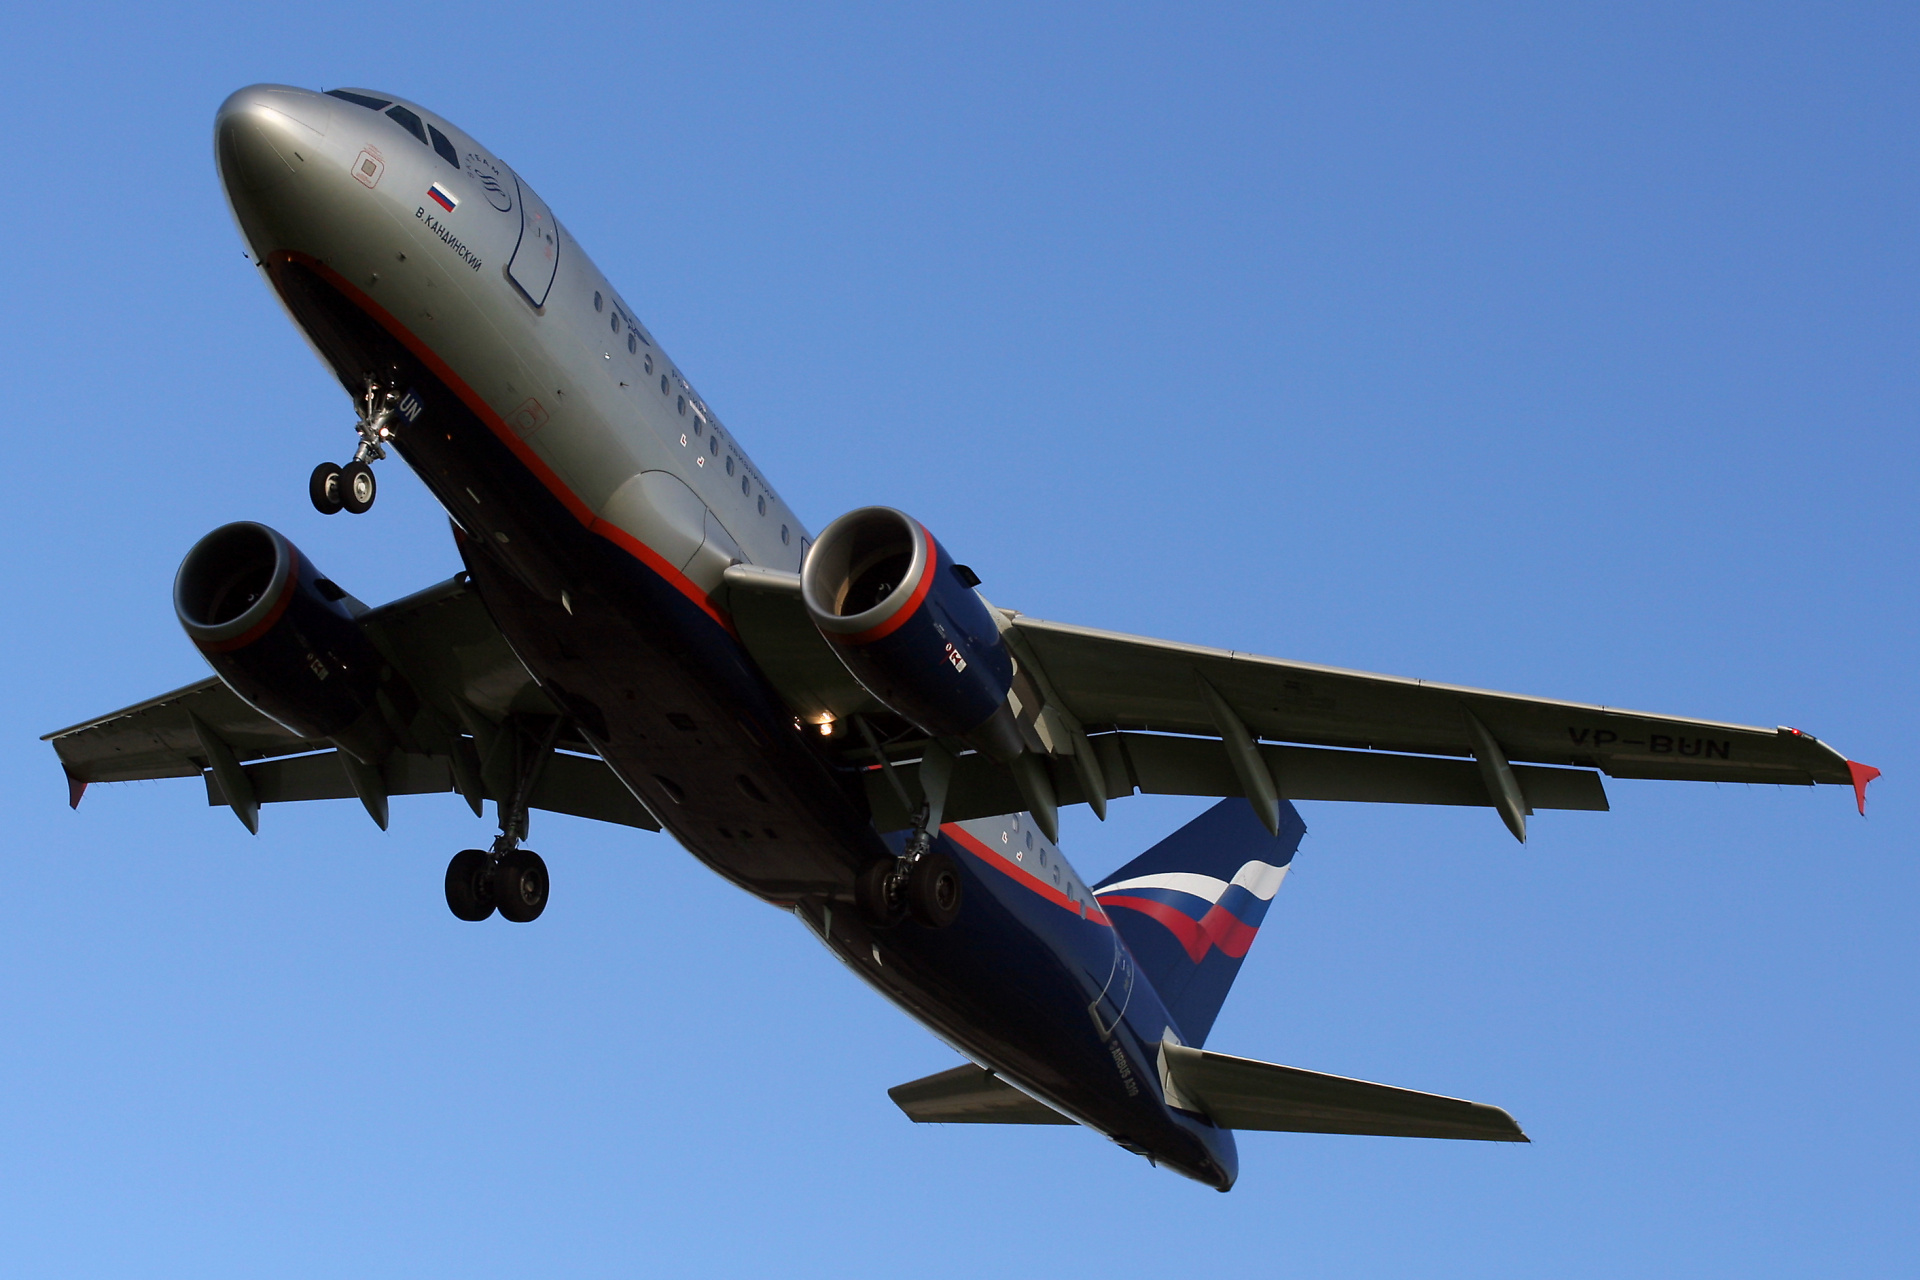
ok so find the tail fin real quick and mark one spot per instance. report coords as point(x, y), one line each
point(1190, 906)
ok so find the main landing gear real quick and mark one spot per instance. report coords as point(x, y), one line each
point(512, 881)
point(506, 878)
point(922, 883)
point(352, 488)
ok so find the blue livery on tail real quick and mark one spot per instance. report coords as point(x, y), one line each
point(1190, 907)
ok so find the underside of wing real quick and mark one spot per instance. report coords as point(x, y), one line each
point(1122, 714)
point(1133, 682)
point(469, 719)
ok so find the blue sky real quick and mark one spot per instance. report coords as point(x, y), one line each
point(1562, 349)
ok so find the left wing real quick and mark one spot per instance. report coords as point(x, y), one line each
point(1124, 713)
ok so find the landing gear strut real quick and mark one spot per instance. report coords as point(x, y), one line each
point(505, 877)
point(922, 883)
point(352, 488)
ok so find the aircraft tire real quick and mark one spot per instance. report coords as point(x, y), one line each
point(357, 487)
point(870, 894)
point(470, 885)
point(325, 488)
point(520, 886)
point(933, 891)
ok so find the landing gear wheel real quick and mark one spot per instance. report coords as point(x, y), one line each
point(870, 894)
point(933, 891)
point(325, 489)
point(470, 885)
point(520, 886)
point(357, 487)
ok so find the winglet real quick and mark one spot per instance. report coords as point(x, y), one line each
point(1862, 775)
point(76, 787)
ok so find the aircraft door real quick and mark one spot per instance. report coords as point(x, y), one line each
point(537, 256)
point(1110, 1006)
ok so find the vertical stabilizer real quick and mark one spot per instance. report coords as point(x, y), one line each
point(1189, 907)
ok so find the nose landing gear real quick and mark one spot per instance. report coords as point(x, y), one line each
point(352, 488)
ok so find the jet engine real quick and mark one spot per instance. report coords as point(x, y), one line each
point(277, 632)
point(905, 620)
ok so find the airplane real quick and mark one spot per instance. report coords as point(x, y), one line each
point(840, 723)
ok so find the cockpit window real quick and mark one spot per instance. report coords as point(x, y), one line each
point(358, 99)
point(444, 147)
point(409, 120)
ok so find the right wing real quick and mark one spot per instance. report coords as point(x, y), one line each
point(477, 708)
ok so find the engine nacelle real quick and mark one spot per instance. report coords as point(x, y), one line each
point(905, 620)
point(277, 632)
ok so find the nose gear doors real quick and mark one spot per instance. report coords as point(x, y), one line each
point(537, 255)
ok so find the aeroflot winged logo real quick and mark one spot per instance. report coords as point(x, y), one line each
point(1202, 911)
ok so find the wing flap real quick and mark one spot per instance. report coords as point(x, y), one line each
point(1155, 764)
point(579, 785)
point(969, 1095)
point(1242, 1093)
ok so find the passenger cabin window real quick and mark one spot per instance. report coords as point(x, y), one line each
point(410, 122)
point(444, 147)
point(633, 344)
point(358, 99)
point(598, 301)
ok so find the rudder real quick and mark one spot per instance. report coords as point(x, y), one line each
point(1190, 906)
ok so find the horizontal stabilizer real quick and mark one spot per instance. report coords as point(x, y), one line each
point(1240, 1093)
point(969, 1095)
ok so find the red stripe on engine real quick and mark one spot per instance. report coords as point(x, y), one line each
point(913, 603)
point(261, 627)
point(521, 450)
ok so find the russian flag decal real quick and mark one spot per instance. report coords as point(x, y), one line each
point(442, 197)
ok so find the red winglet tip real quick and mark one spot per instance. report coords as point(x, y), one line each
point(76, 787)
point(1862, 775)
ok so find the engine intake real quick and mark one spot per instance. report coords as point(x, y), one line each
point(904, 619)
point(275, 631)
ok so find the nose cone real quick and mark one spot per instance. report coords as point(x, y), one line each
point(266, 133)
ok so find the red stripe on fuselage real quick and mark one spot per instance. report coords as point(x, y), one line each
point(1020, 875)
point(505, 434)
point(1218, 928)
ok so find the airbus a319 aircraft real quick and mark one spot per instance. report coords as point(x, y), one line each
point(841, 724)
